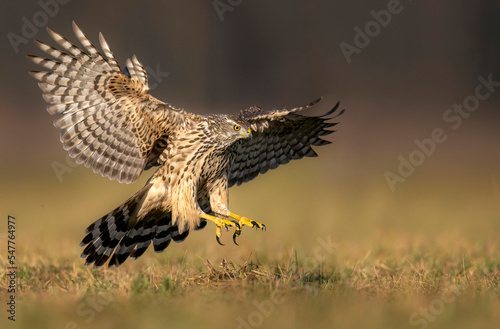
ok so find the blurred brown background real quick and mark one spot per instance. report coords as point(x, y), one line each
point(279, 54)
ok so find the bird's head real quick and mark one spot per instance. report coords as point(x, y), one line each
point(230, 128)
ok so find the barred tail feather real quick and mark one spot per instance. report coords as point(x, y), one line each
point(118, 235)
point(137, 240)
point(103, 235)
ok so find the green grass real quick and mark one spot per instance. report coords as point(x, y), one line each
point(425, 257)
point(385, 287)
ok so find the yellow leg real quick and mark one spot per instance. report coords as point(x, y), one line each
point(242, 221)
point(219, 223)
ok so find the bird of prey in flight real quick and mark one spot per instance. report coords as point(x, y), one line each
point(110, 122)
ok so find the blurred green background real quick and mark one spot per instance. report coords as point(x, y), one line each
point(277, 54)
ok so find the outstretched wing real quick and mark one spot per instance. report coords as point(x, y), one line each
point(278, 137)
point(108, 120)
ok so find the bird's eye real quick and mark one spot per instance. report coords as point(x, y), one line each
point(236, 127)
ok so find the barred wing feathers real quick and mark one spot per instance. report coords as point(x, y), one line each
point(108, 120)
point(279, 136)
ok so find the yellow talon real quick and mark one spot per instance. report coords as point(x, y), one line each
point(238, 224)
point(246, 221)
point(220, 223)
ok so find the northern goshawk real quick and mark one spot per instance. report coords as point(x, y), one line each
point(110, 122)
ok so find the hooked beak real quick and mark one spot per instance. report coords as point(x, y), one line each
point(247, 134)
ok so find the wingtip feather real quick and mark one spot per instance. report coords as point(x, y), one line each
point(316, 101)
point(335, 108)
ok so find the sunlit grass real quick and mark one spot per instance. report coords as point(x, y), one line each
point(402, 277)
point(432, 247)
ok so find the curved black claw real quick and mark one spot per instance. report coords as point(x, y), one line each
point(255, 224)
point(234, 238)
point(217, 238)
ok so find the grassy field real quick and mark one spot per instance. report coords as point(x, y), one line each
point(339, 252)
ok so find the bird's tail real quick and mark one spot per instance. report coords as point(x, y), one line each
point(120, 234)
